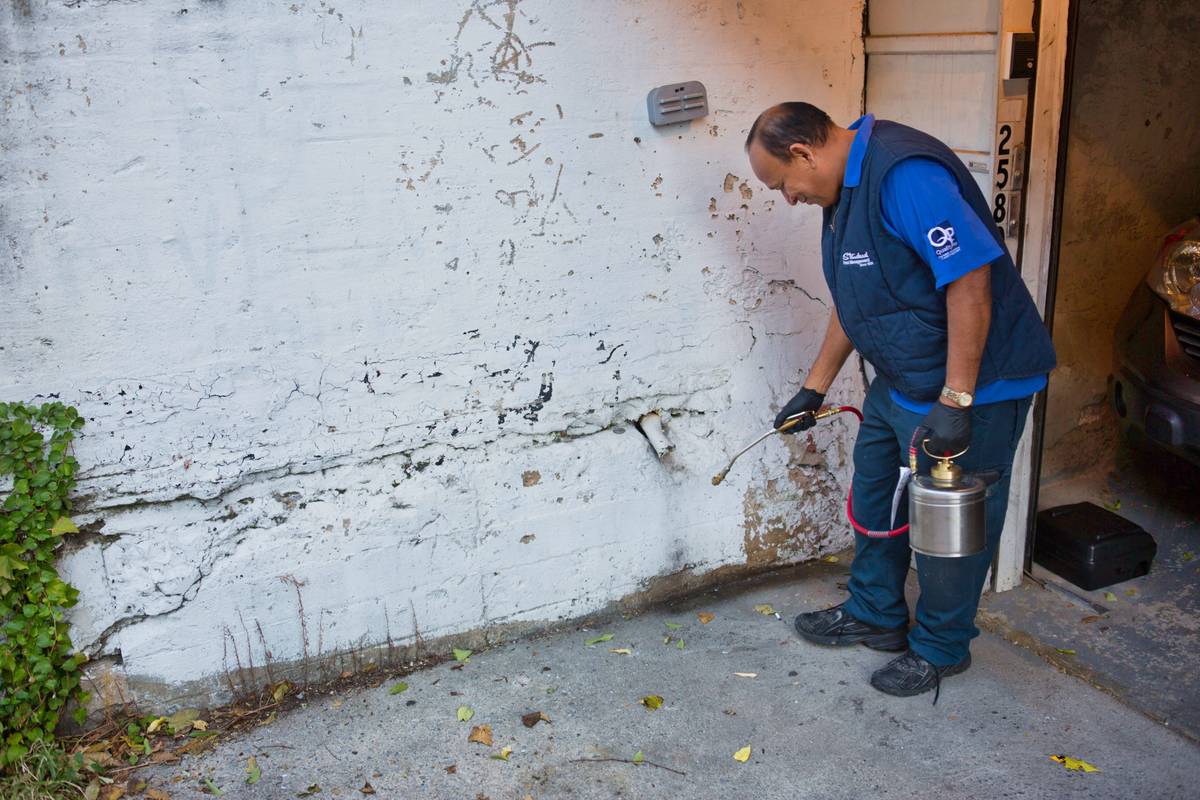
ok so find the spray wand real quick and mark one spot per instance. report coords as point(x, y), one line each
point(787, 425)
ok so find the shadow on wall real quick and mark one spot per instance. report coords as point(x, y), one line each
point(1132, 156)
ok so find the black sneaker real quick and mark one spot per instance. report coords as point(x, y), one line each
point(836, 627)
point(911, 674)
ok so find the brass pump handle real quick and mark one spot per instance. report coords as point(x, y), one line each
point(942, 458)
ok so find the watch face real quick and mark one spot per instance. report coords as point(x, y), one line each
point(965, 399)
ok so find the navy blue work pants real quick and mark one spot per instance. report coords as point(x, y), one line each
point(950, 587)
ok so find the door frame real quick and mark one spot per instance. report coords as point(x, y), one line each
point(1056, 27)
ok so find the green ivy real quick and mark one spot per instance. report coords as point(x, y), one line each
point(39, 670)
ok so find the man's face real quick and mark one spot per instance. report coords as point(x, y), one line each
point(810, 176)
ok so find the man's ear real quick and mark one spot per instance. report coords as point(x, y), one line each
point(802, 152)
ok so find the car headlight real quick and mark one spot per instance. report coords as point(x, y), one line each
point(1176, 276)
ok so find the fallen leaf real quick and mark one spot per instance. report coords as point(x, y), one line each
point(453, 768)
point(673, 626)
point(114, 792)
point(181, 721)
point(369, 668)
point(1088, 620)
point(1110, 597)
point(157, 794)
point(1115, 505)
point(706, 617)
point(336, 704)
point(666, 640)
point(398, 688)
point(679, 644)
point(1065, 651)
point(638, 757)
point(253, 772)
point(830, 559)
point(216, 790)
point(281, 691)
point(462, 656)
point(1131, 592)
point(155, 725)
point(746, 674)
point(533, 718)
point(742, 755)
point(1075, 764)
point(651, 701)
point(92, 791)
point(765, 609)
point(200, 725)
point(460, 665)
point(310, 791)
point(367, 788)
point(604, 637)
point(464, 713)
point(1188, 555)
point(64, 525)
point(481, 734)
point(503, 754)
point(621, 651)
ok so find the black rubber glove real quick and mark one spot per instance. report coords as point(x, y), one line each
point(948, 429)
point(805, 400)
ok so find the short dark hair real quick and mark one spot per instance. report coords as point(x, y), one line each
point(781, 126)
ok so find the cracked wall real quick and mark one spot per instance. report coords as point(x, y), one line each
point(359, 301)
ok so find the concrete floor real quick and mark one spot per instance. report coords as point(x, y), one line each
point(1145, 645)
point(816, 727)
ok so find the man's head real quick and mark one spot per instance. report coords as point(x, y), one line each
point(796, 149)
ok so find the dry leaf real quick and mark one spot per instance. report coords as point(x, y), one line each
point(1088, 620)
point(1075, 764)
point(200, 725)
point(481, 734)
point(155, 725)
point(706, 617)
point(92, 791)
point(746, 674)
point(742, 755)
point(503, 754)
point(367, 788)
point(1110, 597)
point(604, 637)
point(453, 768)
point(253, 772)
point(281, 691)
point(157, 794)
point(310, 791)
point(464, 713)
point(1131, 592)
point(830, 559)
point(114, 792)
point(651, 701)
point(533, 718)
point(765, 609)
point(621, 651)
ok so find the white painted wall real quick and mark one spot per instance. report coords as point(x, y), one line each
point(362, 298)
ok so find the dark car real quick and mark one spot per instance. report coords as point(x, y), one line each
point(1156, 389)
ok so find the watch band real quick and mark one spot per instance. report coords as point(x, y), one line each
point(960, 399)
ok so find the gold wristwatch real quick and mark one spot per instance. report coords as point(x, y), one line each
point(960, 399)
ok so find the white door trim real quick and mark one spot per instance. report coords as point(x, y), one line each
point(1039, 229)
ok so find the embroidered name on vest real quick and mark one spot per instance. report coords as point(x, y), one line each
point(852, 259)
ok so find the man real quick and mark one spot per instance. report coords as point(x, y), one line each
point(924, 289)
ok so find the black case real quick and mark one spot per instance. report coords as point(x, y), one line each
point(1091, 547)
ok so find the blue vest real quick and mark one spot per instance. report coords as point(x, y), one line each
point(884, 292)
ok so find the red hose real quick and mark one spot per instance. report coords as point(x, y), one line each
point(850, 496)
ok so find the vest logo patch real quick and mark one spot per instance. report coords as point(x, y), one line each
point(852, 259)
point(941, 238)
